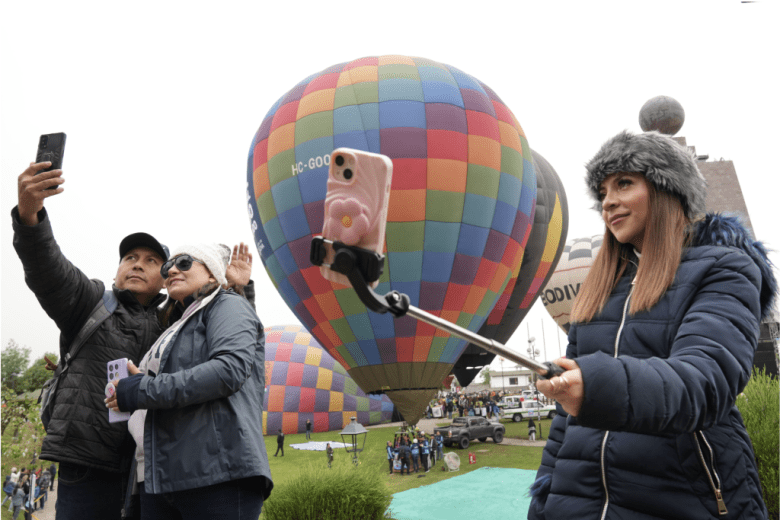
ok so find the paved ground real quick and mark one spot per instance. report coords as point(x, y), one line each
point(427, 425)
point(48, 512)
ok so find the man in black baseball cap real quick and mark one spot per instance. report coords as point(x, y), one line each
point(143, 240)
point(140, 259)
point(94, 455)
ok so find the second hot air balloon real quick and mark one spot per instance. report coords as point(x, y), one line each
point(542, 253)
point(564, 285)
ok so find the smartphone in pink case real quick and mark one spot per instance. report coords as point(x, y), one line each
point(116, 369)
point(358, 193)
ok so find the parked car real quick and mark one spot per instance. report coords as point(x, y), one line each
point(463, 430)
point(526, 409)
point(511, 401)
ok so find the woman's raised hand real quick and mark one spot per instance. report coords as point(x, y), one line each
point(240, 269)
point(568, 388)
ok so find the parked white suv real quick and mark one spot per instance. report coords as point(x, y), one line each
point(528, 408)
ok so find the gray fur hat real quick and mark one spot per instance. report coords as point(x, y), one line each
point(667, 165)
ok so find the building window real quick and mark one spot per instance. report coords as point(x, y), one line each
point(513, 381)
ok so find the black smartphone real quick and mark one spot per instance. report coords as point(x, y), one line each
point(51, 147)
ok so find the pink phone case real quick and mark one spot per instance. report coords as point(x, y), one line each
point(356, 203)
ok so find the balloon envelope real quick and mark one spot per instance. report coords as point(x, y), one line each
point(304, 382)
point(460, 211)
point(564, 285)
point(542, 253)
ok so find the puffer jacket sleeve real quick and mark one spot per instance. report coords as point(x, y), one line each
point(709, 363)
point(64, 291)
point(232, 335)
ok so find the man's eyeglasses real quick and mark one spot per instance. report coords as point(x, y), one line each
point(182, 263)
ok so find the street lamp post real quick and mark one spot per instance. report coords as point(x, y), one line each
point(503, 381)
point(533, 352)
point(351, 438)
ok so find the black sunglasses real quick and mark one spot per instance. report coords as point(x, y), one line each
point(182, 263)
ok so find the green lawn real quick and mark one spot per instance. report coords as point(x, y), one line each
point(519, 430)
point(285, 468)
point(488, 454)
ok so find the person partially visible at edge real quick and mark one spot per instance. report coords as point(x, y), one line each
point(662, 340)
point(195, 395)
point(94, 455)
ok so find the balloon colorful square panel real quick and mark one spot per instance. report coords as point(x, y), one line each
point(303, 382)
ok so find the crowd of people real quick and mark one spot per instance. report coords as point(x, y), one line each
point(480, 404)
point(27, 490)
point(415, 451)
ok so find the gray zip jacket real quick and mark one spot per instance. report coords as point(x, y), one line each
point(205, 419)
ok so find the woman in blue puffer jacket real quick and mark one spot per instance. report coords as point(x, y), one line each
point(198, 398)
point(662, 341)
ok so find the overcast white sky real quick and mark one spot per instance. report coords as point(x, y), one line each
point(160, 101)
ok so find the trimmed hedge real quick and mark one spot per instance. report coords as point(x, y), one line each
point(341, 492)
point(759, 405)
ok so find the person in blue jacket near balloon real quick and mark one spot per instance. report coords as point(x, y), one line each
point(439, 445)
point(662, 340)
point(415, 451)
point(424, 451)
point(390, 456)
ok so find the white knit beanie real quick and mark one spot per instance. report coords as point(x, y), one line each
point(214, 256)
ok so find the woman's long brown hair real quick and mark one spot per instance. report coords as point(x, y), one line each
point(665, 237)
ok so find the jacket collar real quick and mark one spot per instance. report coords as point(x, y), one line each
point(128, 299)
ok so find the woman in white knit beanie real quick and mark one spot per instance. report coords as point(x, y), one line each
point(197, 400)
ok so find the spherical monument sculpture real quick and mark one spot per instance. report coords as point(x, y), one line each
point(662, 113)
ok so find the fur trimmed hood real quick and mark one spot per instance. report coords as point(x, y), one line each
point(716, 229)
point(665, 164)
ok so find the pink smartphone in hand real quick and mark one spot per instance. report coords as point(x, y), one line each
point(358, 193)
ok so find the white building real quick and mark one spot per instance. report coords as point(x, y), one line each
point(512, 379)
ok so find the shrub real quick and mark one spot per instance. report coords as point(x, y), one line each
point(341, 492)
point(759, 405)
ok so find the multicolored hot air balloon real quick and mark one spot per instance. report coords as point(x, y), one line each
point(559, 293)
point(542, 252)
point(461, 210)
point(304, 382)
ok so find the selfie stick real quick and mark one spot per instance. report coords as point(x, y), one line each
point(363, 267)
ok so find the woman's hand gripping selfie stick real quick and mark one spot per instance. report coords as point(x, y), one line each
point(362, 267)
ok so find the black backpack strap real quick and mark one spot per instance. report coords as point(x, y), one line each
point(104, 308)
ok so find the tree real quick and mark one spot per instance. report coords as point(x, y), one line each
point(23, 416)
point(34, 377)
point(15, 361)
point(486, 375)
